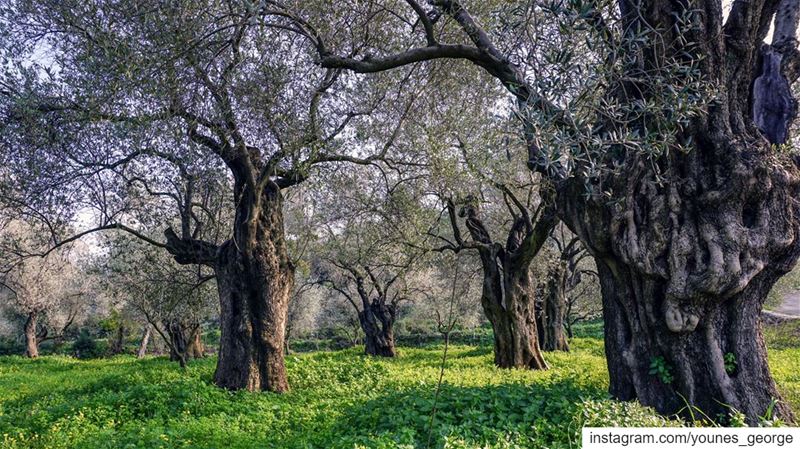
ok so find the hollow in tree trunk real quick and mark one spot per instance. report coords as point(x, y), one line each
point(31, 339)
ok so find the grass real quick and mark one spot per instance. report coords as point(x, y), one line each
point(339, 400)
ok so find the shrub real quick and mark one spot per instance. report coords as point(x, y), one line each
point(11, 346)
point(85, 347)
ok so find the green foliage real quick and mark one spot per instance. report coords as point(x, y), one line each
point(661, 369)
point(85, 347)
point(589, 329)
point(338, 400)
point(730, 362)
point(11, 346)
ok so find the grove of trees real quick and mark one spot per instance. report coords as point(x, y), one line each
point(371, 166)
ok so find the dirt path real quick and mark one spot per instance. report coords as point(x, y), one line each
point(790, 305)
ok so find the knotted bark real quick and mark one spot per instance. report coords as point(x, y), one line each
point(377, 322)
point(693, 241)
point(685, 267)
point(254, 279)
point(550, 319)
point(507, 295)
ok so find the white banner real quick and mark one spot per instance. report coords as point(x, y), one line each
point(690, 437)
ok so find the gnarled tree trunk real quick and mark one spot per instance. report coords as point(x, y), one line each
point(255, 278)
point(31, 339)
point(685, 265)
point(508, 304)
point(507, 295)
point(377, 322)
point(638, 332)
point(177, 341)
point(550, 319)
point(684, 282)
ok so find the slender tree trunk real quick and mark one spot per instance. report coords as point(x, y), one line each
point(508, 304)
point(118, 345)
point(31, 342)
point(177, 341)
point(550, 323)
point(196, 348)
point(143, 343)
point(377, 322)
point(255, 278)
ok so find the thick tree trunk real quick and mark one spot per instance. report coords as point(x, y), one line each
point(684, 271)
point(255, 278)
point(636, 335)
point(143, 343)
point(689, 242)
point(508, 304)
point(550, 323)
point(377, 322)
point(31, 341)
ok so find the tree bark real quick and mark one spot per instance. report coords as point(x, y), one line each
point(377, 322)
point(685, 262)
point(255, 278)
point(684, 275)
point(635, 335)
point(31, 340)
point(118, 345)
point(143, 343)
point(508, 303)
point(177, 341)
point(508, 293)
point(196, 349)
point(550, 322)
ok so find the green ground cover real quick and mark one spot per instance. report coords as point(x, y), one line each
point(339, 399)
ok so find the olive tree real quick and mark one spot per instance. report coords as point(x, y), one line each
point(369, 251)
point(186, 92)
point(50, 293)
point(174, 300)
point(661, 126)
